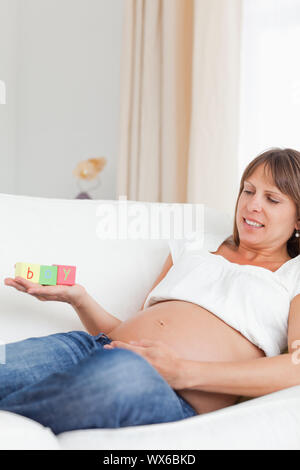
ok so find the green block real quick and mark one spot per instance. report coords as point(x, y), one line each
point(48, 275)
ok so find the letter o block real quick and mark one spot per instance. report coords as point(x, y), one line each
point(28, 271)
point(48, 275)
point(65, 275)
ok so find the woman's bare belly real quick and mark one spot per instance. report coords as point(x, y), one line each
point(194, 333)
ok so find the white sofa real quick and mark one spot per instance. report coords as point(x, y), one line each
point(118, 274)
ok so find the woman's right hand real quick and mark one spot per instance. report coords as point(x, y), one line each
point(69, 294)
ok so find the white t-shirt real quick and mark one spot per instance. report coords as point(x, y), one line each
point(253, 300)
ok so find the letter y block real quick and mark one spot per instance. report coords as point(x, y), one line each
point(65, 274)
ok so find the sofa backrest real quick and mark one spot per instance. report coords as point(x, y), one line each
point(118, 273)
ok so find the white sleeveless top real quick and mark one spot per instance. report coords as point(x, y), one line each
point(251, 299)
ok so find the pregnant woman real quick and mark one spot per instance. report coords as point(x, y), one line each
point(211, 329)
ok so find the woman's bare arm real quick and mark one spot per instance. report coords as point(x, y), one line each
point(96, 319)
point(166, 267)
point(251, 378)
point(93, 316)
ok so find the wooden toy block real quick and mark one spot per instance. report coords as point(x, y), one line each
point(65, 274)
point(28, 271)
point(48, 275)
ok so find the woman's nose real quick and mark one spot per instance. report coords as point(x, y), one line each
point(255, 204)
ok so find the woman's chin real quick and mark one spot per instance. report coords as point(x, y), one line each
point(253, 235)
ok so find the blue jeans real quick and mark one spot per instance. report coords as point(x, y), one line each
point(68, 381)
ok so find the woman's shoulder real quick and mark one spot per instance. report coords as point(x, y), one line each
point(227, 248)
point(290, 275)
point(229, 241)
point(228, 245)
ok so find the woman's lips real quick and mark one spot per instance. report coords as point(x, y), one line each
point(251, 226)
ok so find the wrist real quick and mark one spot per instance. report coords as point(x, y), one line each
point(190, 374)
point(182, 374)
point(78, 300)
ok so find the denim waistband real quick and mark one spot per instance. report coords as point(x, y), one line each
point(102, 338)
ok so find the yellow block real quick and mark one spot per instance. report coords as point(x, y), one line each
point(29, 271)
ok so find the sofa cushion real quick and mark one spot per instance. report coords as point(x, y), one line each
point(20, 433)
point(268, 422)
point(118, 273)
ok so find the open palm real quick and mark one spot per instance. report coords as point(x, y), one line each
point(59, 293)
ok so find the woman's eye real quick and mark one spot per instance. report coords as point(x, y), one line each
point(270, 199)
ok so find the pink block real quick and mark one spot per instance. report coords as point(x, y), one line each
point(65, 274)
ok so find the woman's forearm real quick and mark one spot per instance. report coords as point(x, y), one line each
point(251, 378)
point(93, 316)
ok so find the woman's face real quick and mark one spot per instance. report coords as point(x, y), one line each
point(261, 201)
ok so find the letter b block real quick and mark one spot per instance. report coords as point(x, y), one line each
point(48, 275)
point(65, 274)
point(28, 271)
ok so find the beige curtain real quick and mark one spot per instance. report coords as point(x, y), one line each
point(180, 101)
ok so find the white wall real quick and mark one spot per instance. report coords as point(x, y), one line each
point(8, 38)
point(67, 92)
point(270, 84)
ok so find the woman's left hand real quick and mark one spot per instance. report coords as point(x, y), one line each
point(158, 354)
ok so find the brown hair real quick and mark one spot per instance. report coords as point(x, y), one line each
point(284, 165)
